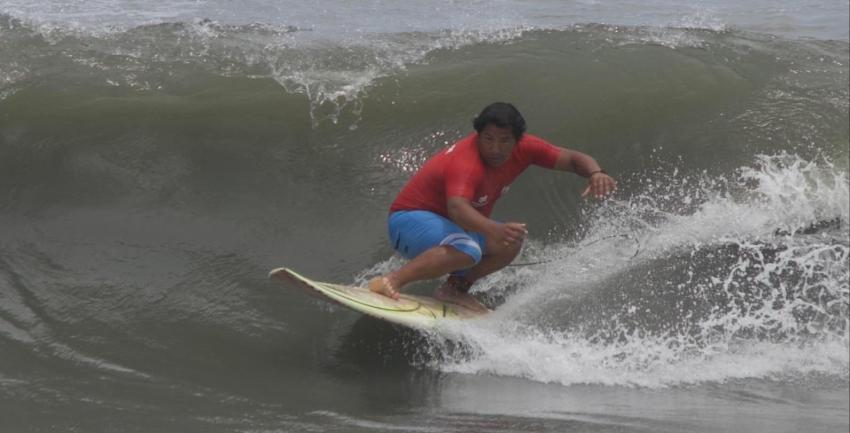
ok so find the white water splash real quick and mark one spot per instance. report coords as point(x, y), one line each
point(337, 78)
point(786, 315)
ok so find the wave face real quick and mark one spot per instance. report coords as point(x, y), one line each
point(731, 95)
point(154, 166)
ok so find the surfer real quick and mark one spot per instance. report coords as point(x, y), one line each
point(441, 218)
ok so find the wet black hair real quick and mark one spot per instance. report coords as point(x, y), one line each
point(503, 115)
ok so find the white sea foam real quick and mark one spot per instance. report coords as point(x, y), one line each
point(773, 317)
point(509, 350)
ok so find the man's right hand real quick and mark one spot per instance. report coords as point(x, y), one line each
point(502, 234)
point(508, 233)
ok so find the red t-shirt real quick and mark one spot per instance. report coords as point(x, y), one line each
point(459, 171)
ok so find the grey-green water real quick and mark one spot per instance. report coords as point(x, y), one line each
point(151, 176)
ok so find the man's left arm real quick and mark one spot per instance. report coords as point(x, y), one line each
point(600, 184)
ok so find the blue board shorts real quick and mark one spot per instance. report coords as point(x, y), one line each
point(412, 232)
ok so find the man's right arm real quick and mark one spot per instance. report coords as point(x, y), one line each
point(464, 215)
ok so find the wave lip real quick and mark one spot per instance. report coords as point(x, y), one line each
point(339, 19)
point(338, 76)
point(334, 74)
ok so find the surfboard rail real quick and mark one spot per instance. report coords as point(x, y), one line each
point(419, 312)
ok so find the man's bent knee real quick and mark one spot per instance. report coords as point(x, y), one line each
point(459, 257)
point(464, 244)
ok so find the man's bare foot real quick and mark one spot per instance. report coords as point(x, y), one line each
point(448, 292)
point(383, 286)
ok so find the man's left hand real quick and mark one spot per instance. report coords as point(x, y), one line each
point(600, 185)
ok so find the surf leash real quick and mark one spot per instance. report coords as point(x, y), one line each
point(621, 235)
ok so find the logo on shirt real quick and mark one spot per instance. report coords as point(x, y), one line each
point(482, 201)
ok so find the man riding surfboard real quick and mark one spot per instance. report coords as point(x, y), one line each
point(441, 218)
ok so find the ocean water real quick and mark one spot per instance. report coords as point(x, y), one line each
point(157, 159)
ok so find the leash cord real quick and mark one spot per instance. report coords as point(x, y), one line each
point(621, 235)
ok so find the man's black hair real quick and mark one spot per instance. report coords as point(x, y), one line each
point(503, 115)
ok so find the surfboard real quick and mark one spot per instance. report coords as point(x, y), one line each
point(418, 312)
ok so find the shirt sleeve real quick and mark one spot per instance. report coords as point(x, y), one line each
point(461, 179)
point(538, 151)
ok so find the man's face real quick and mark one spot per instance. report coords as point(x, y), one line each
point(495, 145)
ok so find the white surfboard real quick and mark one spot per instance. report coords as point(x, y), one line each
point(418, 312)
